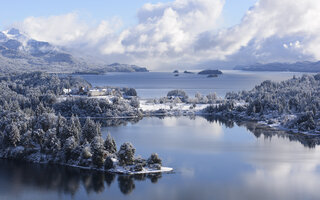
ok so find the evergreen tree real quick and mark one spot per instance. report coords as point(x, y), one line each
point(52, 143)
point(90, 130)
point(12, 136)
point(75, 128)
point(126, 154)
point(69, 146)
point(98, 156)
point(110, 144)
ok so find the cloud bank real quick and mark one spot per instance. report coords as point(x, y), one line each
point(187, 33)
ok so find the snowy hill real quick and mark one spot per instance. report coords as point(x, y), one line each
point(18, 52)
point(291, 67)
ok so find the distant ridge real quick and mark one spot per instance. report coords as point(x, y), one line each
point(20, 53)
point(285, 67)
point(115, 67)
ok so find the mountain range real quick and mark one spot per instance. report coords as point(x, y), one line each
point(19, 53)
point(289, 67)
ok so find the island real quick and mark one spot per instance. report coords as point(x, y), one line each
point(210, 72)
point(187, 72)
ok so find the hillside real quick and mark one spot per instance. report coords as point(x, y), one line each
point(20, 53)
point(293, 104)
point(291, 67)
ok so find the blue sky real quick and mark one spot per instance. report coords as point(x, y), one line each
point(96, 10)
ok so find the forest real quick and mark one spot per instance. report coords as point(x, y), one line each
point(293, 104)
point(37, 125)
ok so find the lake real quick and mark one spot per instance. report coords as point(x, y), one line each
point(157, 84)
point(211, 160)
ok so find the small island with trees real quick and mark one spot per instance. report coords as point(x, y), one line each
point(210, 73)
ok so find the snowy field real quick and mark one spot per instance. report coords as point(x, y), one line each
point(145, 106)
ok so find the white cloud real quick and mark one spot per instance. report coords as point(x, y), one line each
point(186, 32)
point(169, 29)
point(68, 29)
point(271, 20)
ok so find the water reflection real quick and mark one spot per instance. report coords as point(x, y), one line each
point(268, 132)
point(257, 129)
point(62, 179)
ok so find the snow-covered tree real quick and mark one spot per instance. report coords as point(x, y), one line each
point(69, 147)
point(99, 154)
point(51, 144)
point(75, 128)
point(126, 154)
point(154, 159)
point(110, 144)
point(90, 130)
point(12, 135)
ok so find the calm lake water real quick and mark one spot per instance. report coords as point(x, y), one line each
point(212, 160)
point(157, 84)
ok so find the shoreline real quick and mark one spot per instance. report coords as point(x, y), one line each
point(16, 153)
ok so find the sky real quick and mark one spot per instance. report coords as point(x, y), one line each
point(164, 34)
point(96, 10)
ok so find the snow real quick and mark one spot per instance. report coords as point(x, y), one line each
point(240, 103)
point(126, 170)
point(167, 106)
point(145, 170)
point(108, 98)
point(66, 91)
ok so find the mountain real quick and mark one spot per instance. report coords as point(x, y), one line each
point(115, 67)
point(19, 52)
point(125, 68)
point(289, 67)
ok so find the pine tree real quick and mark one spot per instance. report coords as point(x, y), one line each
point(61, 122)
point(90, 130)
point(126, 154)
point(75, 128)
point(98, 152)
point(69, 146)
point(12, 135)
point(110, 144)
point(52, 143)
point(62, 129)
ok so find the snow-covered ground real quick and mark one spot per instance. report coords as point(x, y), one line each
point(149, 107)
point(65, 97)
point(145, 106)
point(145, 170)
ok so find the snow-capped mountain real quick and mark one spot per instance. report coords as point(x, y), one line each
point(18, 52)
